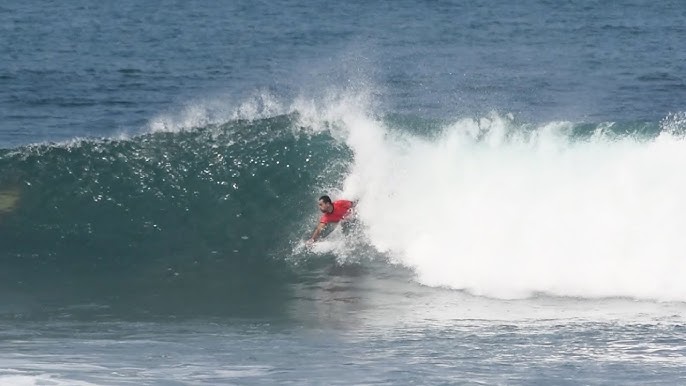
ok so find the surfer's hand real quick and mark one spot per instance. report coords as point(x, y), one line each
point(309, 242)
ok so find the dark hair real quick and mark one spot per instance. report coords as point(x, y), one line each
point(326, 199)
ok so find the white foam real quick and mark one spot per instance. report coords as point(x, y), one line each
point(39, 379)
point(507, 211)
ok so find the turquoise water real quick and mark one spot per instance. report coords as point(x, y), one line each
point(517, 168)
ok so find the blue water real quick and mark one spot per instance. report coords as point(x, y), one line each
point(518, 169)
point(78, 69)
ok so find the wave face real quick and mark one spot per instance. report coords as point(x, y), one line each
point(210, 217)
point(161, 219)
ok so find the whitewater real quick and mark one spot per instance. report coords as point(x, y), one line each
point(509, 210)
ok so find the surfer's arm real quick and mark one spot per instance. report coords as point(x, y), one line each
point(317, 231)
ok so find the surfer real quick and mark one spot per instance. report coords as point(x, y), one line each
point(333, 212)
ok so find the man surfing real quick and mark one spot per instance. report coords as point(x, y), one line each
point(333, 212)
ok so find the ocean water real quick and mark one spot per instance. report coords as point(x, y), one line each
point(518, 169)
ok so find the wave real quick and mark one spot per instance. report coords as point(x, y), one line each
point(212, 210)
point(200, 214)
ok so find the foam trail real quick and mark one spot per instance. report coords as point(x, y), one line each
point(500, 211)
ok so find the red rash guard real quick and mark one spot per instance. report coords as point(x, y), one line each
point(341, 208)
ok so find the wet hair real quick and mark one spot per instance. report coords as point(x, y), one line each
point(326, 199)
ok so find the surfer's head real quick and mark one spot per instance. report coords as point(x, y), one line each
point(325, 204)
